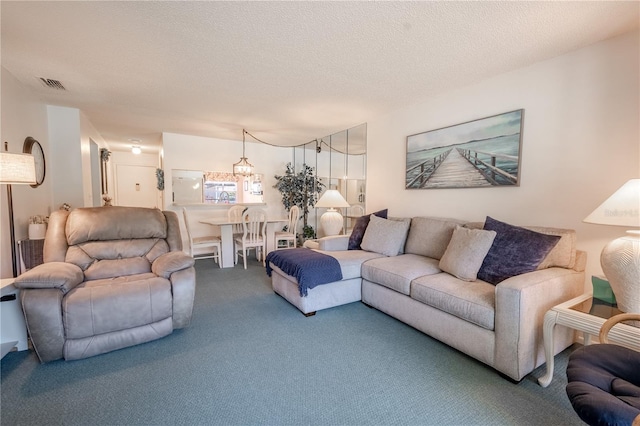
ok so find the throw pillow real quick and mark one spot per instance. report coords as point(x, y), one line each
point(385, 236)
point(466, 252)
point(515, 251)
point(360, 227)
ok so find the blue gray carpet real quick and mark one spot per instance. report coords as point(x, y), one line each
point(249, 357)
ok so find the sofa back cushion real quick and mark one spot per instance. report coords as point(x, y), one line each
point(114, 223)
point(108, 242)
point(563, 255)
point(430, 236)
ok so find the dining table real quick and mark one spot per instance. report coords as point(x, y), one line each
point(227, 255)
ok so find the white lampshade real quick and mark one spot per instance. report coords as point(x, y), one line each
point(621, 209)
point(620, 259)
point(17, 168)
point(332, 199)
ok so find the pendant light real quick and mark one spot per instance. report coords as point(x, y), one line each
point(243, 167)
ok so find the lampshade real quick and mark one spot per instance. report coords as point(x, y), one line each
point(243, 167)
point(620, 209)
point(17, 168)
point(332, 199)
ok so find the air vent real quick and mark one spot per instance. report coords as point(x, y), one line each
point(53, 84)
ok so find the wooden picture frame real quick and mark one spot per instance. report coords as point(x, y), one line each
point(479, 153)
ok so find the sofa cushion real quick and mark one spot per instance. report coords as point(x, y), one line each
point(98, 309)
point(515, 251)
point(385, 236)
point(466, 252)
point(471, 301)
point(429, 236)
point(351, 261)
point(397, 272)
point(360, 227)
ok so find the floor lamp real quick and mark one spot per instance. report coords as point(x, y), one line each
point(15, 169)
point(620, 258)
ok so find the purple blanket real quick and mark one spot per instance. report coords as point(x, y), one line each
point(309, 267)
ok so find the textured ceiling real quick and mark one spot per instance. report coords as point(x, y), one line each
point(288, 72)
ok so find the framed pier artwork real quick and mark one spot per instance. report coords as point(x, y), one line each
point(478, 153)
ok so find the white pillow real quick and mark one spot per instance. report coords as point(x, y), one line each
point(466, 251)
point(385, 236)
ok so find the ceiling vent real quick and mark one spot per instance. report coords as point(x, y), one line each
point(53, 84)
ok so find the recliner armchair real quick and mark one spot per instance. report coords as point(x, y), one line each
point(112, 277)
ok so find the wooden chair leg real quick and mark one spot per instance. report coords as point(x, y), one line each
point(244, 257)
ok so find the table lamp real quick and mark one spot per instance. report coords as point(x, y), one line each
point(15, 169)
point(331, 220)
point(620, 258)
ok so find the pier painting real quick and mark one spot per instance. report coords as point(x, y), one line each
point(479, 153)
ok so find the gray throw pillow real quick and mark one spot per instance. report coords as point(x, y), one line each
point(360, 227)
point(384, 236)
point(466, 251)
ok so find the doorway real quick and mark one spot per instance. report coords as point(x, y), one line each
point(136, 186)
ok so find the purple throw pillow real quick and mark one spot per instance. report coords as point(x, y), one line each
point(361, 225)
point(515, 251)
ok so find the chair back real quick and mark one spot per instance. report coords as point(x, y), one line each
point(294, 217)
point(254, 225)
point(105, 241)
point(235, 214)
point(188, 229)
point(356, 210)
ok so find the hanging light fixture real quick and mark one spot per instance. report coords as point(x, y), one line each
point(243, 167)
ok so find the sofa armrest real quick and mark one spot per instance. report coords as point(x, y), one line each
point(521, 303)
point(171, 262)
point(334, 243)
point(60, 275)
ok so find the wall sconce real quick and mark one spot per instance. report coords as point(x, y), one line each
point(136, 150)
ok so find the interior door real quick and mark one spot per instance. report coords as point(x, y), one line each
point(136, 186)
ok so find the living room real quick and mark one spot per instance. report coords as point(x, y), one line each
point(580, 140)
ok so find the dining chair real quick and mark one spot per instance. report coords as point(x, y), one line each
point(289, 236)
point(208, 241)
point(235, 214)
point(356, 210)
point(254, 226)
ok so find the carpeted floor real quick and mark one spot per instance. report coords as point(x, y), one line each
point(249, 357)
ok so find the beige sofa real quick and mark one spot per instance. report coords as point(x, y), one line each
point(500, 325)
point(113, 277)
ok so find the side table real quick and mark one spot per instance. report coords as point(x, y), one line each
point(585, 314)
point(13, 331)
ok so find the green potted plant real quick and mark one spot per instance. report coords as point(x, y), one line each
point(300, 189)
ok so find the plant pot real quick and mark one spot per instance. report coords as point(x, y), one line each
point(37, 231)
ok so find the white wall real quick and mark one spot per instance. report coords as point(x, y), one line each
point(580, 143)
point(66, 156)
point(88, 133)
point(23, 114)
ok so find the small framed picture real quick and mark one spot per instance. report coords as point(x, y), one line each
point(246, 185)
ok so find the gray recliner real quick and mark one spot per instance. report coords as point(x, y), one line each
point(112, 277)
